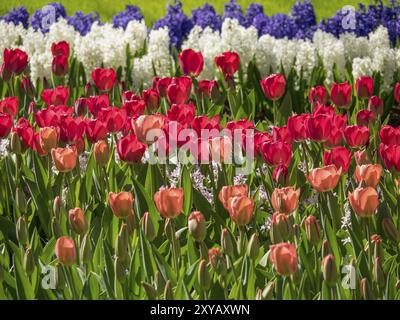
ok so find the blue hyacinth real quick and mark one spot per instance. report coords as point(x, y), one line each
point(17, 16)
point(83, 23)
point(121, 20)
point(42, 19)
point(206, 16)
point(233, 10)
point(178, 23)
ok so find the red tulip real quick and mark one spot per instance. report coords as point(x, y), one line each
point(97, 103)
point(51, 116)
point(341, 94)
point(389, 135)
point(340, 157)
point(318, 127)
point(208, 88)
point(162, 86)
point(95, 130)
point(82, 106)
point(178, 91)
point(130, 149)
point(364, 117)
point(15, 60)
point(364, 87)
point(25, 132)
point(228, 63)
point(113, 117)
point(204, 123)
point(57, 96)
point(27, 86)
point(323, 109)
point(183, 113)
point(276, 153)
point(151, 98)
point(191, 62)
point(282, 133)
point(297, 127)
point(280, 174)
point(59, 66)
point(104, 79)
point(60, 49)
point(134, 108)
point(242, 125)
point(6, 124)
point(397, 92)
point(318, 94)
point(9, 105)
point(390, 156)
point(273, 86)
point(252, 143)
point(375, 104)
point(356, 136)
point(71, 129)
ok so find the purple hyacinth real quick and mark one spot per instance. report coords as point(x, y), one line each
point(43, 18)
point(178, 23)
point(121, 20)
point(303, 15)
point(83, 23)
point(281, 26)
point(206, 16)
point(17, 16)
point(233, 10)
point(253, 11)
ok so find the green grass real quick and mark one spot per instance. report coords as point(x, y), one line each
point(154, 9)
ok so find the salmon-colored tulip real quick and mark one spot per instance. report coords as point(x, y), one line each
point(78, 221)
point(324, 179)
point(241, 209)
point(221, 149)
point(121, 203)
point(142, 126)
point(169, 202)
point(48, 138)
point(285, 200)
point(228, 192)
point(369, 174)
point(101, 153)
point(284, 258)
point(65, 158)
point(65, 251)
point(364, 201)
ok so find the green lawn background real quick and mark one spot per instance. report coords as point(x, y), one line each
point(154, 9)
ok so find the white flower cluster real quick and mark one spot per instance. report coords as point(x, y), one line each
point(108, 47)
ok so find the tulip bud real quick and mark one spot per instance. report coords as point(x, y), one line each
point(268, 291)
point(148, 227)
point(168, 293)
point(313, 230)
point(78, 221)
point(121, 244)
point(121, 203)
point(197, 226)
point(27, 87)
point(159, 282)
point(169, 230)
point(101, 153)
point(280, 175)
point(22, 231)
point(376, 245)
point(204, 276)
point(131, 222)
point(398, 285)
point(32, 107)
point(29, 261)
point(48, 138)
point(326, 249)
point(15, 143)
point(59, 276)
point(150, 291)
point(57, 207)
point(88, 86)
point(20, 200)
point(366, 290)
point(227, 242)
point(1, 273)
point(81, 107)
point(378, 273)
point(217, 261)
point(390, 230)
point(281, 229)
point(55, 228)
point(253, 247)
point(65, 251)
point(120, 271)
point(259, 295)
point(86, 253)
point(329, 270)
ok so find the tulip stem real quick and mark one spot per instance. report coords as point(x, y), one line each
point(367, 231)
point(70, 283)
point(291, 288)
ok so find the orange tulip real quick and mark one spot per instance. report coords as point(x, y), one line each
point(65, 158)
point(101, 153)
point(369, 174)
point(169, 202)
point(285, 200)
point(78, 220)
point(48, 138)
point(228, 192)
point(143, 124)
point(241, 209)
point(284, 258)
point(364, 201)
point(121, 203)
point(221, 149)
point(65, 251)
point(324, 179)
